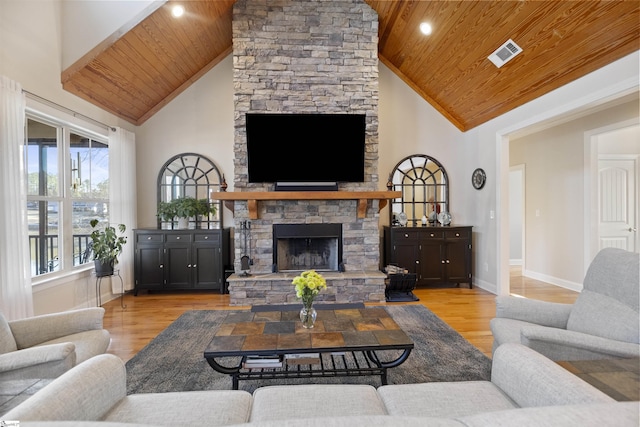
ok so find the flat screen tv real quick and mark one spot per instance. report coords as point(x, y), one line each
point(305, 148)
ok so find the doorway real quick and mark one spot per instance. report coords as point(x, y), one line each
point(614, 152)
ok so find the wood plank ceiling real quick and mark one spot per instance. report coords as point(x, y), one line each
point(141, 68)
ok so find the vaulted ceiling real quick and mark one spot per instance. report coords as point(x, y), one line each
point(145, 65)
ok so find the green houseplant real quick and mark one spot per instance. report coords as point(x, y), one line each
point(184, 207)
point(107, 245)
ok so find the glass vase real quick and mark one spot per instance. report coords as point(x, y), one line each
point(308, 316)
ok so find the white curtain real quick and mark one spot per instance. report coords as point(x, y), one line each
point(122, 198)
point(16, 300)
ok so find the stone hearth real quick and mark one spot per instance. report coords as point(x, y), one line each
point(276, 288)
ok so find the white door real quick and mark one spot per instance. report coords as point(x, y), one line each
point(617, 215)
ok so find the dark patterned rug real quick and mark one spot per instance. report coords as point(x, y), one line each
point(174, 361)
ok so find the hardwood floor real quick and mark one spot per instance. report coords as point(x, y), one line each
point(468, 311)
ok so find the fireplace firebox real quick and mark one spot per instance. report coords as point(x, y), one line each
point(298, 247)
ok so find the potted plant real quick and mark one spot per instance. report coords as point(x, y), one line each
point(107, 246)
point(184, 208)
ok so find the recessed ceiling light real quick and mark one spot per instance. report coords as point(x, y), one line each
point(425, 28)
point(177, 11)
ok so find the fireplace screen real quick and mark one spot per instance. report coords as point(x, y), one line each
point(300, 247)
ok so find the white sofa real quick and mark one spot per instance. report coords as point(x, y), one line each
point(48, 345)
point(604, 322)
point(525, 389)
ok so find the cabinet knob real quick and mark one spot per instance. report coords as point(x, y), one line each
point(206, 237)
point(447, 261)
point(406, 235)
point(457, 234)
point(189, 266)
point(442, 261)
point(178, 238)
point(417, 261)
point(195, 265)
point(161, 266)
point(149, 238)
point(431, 235)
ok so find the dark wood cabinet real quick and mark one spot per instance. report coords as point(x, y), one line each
point(436, 254)
point(180, 259)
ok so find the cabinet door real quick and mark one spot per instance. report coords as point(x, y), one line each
point(458, 256)
point(404, 249)
point(431, 262)
point(206, 269)
point(178, 266)
point(149, 267)
point(431, 257)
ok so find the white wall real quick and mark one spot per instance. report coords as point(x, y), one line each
point(516, 214)
point(488, 146)
point(30, 53)
point(199, 120)
point(555, 193)
point(85, 24)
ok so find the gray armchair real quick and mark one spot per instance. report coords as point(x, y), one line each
point(604, 322)
point(46, 346)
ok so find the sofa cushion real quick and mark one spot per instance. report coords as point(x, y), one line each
point(362, 421)
point(7, 341)
point(315, 400)
point(193, 408)
point(615, 273)
point(445, 399)
point(87, 344)
point(617, 414)
point(603, 316)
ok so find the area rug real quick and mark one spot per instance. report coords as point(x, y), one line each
point(174, 361)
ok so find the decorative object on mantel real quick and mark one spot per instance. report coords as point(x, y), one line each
point(223, 184)
point(184, 208)
point(106, 246)
point(308, 284)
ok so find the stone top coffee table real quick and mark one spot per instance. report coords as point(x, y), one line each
point(349, 342)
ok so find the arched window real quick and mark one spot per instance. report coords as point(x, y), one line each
point(425, 190)
point(191, 175)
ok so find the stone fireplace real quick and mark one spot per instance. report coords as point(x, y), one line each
point(306, 56)
point(299, 247)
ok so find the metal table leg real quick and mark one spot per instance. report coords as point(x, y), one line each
point(116, 273)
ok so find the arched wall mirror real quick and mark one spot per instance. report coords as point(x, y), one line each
point(191, 175)
point(425, 190)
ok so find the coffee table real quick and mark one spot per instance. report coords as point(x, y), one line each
point(350, 342)
point(618, 378)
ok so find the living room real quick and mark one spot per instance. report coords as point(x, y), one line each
point(201, 120)
point(200, 123)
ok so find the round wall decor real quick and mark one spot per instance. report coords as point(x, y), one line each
point(478, 178)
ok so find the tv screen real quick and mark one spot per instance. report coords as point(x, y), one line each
point(305, 148)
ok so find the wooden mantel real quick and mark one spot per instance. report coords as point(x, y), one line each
point(252, 198)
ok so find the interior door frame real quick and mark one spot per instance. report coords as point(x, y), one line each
point(591, 186)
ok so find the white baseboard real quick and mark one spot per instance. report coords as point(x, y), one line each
point(573, 286)
point(489, 287)
point(515, 261)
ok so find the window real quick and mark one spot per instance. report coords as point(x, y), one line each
point(68, 186)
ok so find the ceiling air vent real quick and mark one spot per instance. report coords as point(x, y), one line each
point(505, 53)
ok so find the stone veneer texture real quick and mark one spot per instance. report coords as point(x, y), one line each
point(302, 56)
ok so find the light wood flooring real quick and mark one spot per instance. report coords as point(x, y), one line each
point(468, 311)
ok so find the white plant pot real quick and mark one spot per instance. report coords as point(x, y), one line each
point(183, 223)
